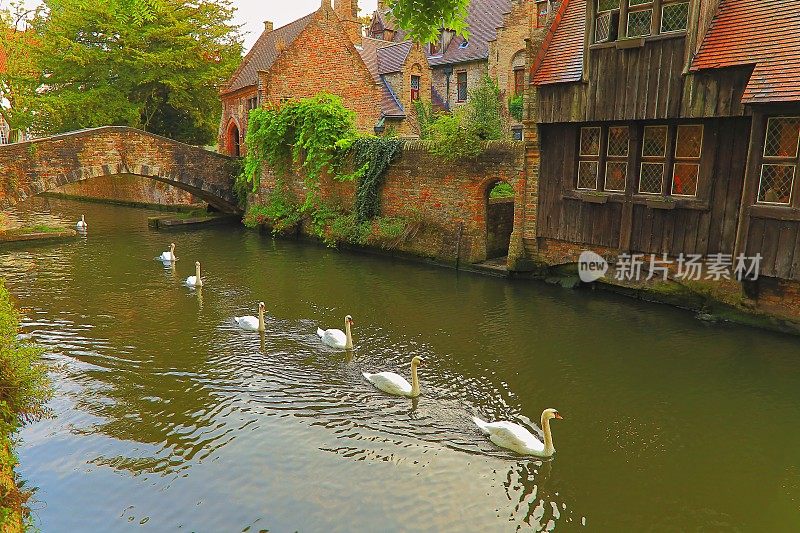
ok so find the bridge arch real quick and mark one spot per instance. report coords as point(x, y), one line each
point(41, 165)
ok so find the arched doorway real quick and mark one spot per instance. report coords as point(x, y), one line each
point(234, 147)
point(499, 201)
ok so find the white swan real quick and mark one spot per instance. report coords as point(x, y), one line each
point(82, 225)
point(336, 338)
point(170, 255)
point(517, 438)
point(196, 280)
point(251, 323)
point(396, 384)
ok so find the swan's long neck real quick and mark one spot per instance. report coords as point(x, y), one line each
point(198, 281)
point(549, 449)
point(261, 326)
point(349, 343)
point(414, 381)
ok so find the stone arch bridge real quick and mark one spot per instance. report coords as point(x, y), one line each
point(42, 165)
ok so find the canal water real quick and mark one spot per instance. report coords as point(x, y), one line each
point(169, 418)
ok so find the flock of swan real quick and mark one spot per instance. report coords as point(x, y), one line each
point(504, 434)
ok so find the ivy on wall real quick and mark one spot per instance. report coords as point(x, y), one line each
point(315, 136)
point(310, 134)
point(372, 157)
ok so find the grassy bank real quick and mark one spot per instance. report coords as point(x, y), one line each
point(24, 391)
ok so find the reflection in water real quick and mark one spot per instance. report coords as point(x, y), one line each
point(171, 416)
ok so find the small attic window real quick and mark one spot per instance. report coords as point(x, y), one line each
point(464, 44)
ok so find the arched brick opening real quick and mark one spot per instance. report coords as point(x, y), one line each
point(498, 201)
point(233, 140)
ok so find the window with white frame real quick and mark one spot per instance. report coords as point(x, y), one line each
point(663, 160)
point(603, 158)
point(781, 159)
point(686, 167)
point(589, 158)
point(617, 148)
point(652, 17)
point(606, 24)
point(615, 19)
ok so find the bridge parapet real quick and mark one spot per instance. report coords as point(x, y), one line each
point(42, 165)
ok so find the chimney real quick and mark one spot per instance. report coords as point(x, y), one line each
point(268, 26)
point(347, 12)
point(346, 9)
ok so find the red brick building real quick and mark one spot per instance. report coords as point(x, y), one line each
point(324, 52)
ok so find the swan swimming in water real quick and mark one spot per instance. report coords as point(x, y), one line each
point(196, 280)
point(251, 323)
point(396, 384)
point(82, 225)
point(168, 255)
point(517, 438)
point(336, 338)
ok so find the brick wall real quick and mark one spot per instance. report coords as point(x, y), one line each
point(450, 198)
point(323, 59)
point(508, 51)
point(476, 70)
point(235, 112)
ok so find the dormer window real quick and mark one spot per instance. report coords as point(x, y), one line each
point(633, 19)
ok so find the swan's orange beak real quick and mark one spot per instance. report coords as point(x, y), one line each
point(559, 417)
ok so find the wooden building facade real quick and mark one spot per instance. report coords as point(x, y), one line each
point(669, 127)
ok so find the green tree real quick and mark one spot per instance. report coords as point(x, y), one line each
point(152, 64)
point(424, 18)
point(18, 75)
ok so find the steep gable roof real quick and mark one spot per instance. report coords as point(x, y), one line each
point(391, 58)
point(264, 53)
point(763, 33)
point(371, 51)
point(560, 59)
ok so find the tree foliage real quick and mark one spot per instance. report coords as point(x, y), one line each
point(423, 19)
point(153, 64)
point(461, 134)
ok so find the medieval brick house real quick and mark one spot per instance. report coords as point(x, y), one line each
point(668, 127)
point(496, 47)
point(325, 52)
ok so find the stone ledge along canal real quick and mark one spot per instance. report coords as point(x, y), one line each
point(168, 417)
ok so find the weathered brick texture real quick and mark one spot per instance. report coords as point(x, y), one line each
point(43, 165)
point(323, 59)
point(128, 189)
point(450, 198)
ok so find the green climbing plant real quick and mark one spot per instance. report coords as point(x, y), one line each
point(311, 134)
point(372, 157)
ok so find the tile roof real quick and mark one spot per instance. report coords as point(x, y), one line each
point(764, 33)
point(392, 57)
point(560, 58)
point(370, 51)
point(483, 19)
point(264, 53)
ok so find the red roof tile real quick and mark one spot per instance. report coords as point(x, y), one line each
point(560, 59)
point(764, 33)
